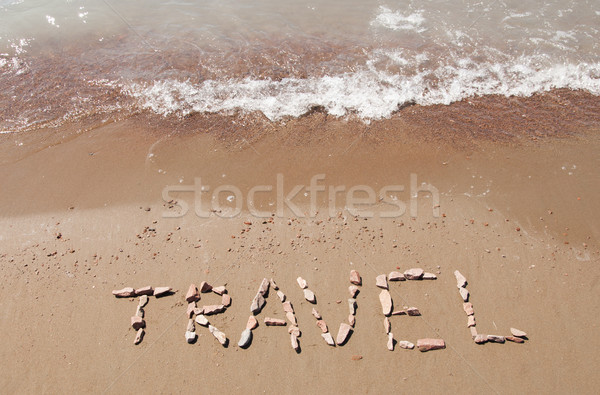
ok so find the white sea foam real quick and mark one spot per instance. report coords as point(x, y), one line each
point(397, 20)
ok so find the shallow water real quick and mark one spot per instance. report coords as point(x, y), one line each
point(65, 60)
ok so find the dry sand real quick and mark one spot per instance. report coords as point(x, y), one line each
point(82, 214)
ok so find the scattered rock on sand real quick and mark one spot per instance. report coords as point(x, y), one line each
point(143, 301)
point(226, 300)
point(274, 322)
point(343, 333)
point(353, 289)
point(220, 336)
point(139, 336)
point(515, 339)
point(381, 281)
point(471, 321)
point(124, 293)
point(464, 294)
point(414, 274)
point(352, 306)
point(245, 338)
point(310, 296)
point(281, 296)
point(263, 289)
point(386, 302)
point(386, 325)
point(461, 281)
point(413, 312)
point(252, 323)
point(257, 304)
point(294, 342)
point(287, 307)
point(213, 309)
point(430, 344)
point(316, 314)
point(162, 291)
point(192, 295)
point(190, 337)
point(390, 343)
point(396, 276)
point(429, 276)
point(468, 307)
point(147, 290)
point(321, 324)
point(137, 322)
point(480, 339)
point(518, 333)
point(220, 290)
point(205, 287)
point(496, 338)
point(406, 345)
point(201, 320)
point(328, 338)
point(302, 282)
point(355, 278)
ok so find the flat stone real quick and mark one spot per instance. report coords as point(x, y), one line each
point(518, 333)
point(205, 287)
point(162, 291)
point(496, 339)
point(274, 322)
point(202, 320)
point(343, 333)
point(381, 281)
point(252, 323)
point(468, 308)
point(245, 338)
point(328, 338)
point(464, 294)
point(406, 345)
point(198, 311)
point(321, 324)
point(263, 288)
point(287, 307)
point(273, 285)
point(353, 289)
point(190, 337)
point(352, 306)
point(386, 325)
point(310, 296)
point(355, 278)
point(147, 290)
point(220, 336)
point(226, 300)
point(399, 312)
point(213, 309)
point(471, 321)
point(139, 336)
point(461, 281)
point(430, 344)
point(480, 339)
point(192, 295)
point(386, 302)
point(390, 343)
point(396, 276)
point(257, 304)
point(124, 293)
point(302, 282)
point(413, 312)
point(143, 300)
point(515, 339)
point(351, 320)
point(220, 290)
point(291, 318)
point(414, 274)
point(316, 314)
point(429, 276)
point(191, 309)
point(190, 326)
point(294, 342)
point(139, 311)
point(137, 322)
point(294, 330)
point(473, 331)
point(281, 296)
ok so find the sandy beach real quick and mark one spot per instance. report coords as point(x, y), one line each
point(83, 214)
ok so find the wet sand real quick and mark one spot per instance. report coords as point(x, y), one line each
point(82, 213)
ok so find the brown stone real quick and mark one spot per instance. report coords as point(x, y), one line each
point(220, 336)
point(192, 295)
point(386, 302)
point(147, 290)
point(480, 339)
point(355, 278)
point(413, 312)
point(399, 312)
point(220, 290)
point(137, 322)
point(353, 289)
point(357, 357)
point(464, 294)
point(321, 324)
point(430, 344)
point(191, 309)
point(396, 276)
point(161, 291)
point(226, 300)
point(205, 287)
point(496, 338)
point(302, 282)
point(517, 332)
point(274, 322)
point(471, 321)
point(263, 288)
point(316, 314)
point(429, 276)
point(213, 309)
point(291, 318)
point(468, 307)
point(343, 333)
point(414, 274)
point(252, 323)
point(257, 303)
point(461, 281)
point(381, 281)
point(386, 325)
point(190, 326)
point(287, 307)
point(124, 293)
point(139, 336)
point(515, 339)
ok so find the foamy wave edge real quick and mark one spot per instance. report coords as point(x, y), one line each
point(369, 94)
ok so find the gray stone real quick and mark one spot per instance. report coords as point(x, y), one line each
point(220, 336)
point(464, 294)
point(352, 306)
point(263, 289)
point(143, 301)
point(381, 281)
point(414, 274)
point(429, 276)
point(461, 281)
point(386, 325)
point(406, 345)
point(257, 304)
point(190, 337)
point(496, 338)
point(245, 338)
point(396, 276)
point(202, 320)
point(139, 336)
point(386, 302)
point(518, 333)
point(328, 338)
